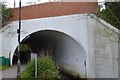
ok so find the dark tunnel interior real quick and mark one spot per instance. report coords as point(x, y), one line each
point(47, 41)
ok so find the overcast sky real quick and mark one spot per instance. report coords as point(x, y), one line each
point(10, 3)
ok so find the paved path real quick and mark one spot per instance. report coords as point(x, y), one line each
point(11, 72)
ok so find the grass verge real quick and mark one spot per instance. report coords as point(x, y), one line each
point(4, 67)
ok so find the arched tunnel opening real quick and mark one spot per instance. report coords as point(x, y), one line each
point(67, 53)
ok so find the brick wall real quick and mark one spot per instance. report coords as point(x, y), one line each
point(54, 9)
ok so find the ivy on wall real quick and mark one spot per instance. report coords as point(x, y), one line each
point(111, 36)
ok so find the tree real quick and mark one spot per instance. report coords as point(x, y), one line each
point(5, 14)
point(111, 13)
point(24, 48)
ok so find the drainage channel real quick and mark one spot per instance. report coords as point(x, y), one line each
point(68, 76)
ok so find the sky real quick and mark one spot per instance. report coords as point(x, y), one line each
point(10, 3)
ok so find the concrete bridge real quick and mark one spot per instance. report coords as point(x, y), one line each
point(83, 44)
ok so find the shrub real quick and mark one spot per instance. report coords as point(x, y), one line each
point(6, 14)
point(46, 69)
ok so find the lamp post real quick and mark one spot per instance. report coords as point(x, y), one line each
point(18, 31)
point(14, 3)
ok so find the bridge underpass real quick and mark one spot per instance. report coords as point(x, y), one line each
point(73, 39)
point(64, 50)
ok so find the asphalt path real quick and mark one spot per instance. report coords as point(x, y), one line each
point(11, 72)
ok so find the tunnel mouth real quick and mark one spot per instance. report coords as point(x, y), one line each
point(63, 49)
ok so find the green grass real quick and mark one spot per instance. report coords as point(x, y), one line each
point(4, 67)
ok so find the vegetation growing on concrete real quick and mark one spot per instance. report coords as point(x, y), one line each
point(111, 36)
point(46, 69)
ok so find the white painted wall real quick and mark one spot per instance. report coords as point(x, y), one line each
point(101, 53)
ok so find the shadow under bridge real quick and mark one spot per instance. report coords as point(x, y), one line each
point(67, 53)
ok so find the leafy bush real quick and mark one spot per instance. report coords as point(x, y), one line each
point(24, 48)
point(30, 70)
point(46, 69)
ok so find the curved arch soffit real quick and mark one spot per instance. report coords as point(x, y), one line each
point(58, 31)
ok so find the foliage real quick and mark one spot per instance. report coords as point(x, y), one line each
point(6, 14)
point(112, 13)
point(24, 48)
point(46, 69)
